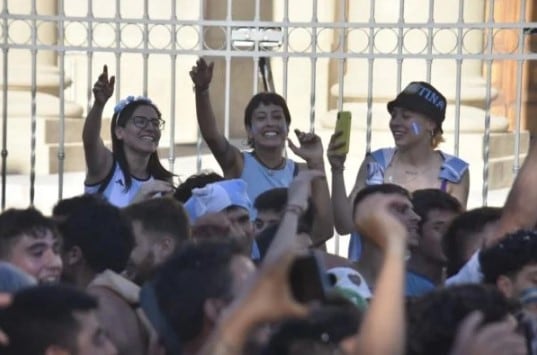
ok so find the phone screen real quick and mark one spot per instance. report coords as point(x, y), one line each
point(343, 124)
point(308, 279)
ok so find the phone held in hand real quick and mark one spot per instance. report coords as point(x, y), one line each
point(308, 279)
point(343, 124)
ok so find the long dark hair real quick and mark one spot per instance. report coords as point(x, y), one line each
point(154, 166)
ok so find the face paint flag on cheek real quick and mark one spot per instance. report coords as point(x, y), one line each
point(416, 128)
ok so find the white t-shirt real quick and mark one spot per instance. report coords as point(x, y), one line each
point(470, 272)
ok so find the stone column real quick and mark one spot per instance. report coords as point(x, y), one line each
point(19, 103)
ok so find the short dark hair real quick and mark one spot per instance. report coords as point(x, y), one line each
point(381, 188)
point(276, 200)
point(161, 215)
point(461, 234)
point(154, 166)
point(41, 316)
point(184, 190)
point(509, 256)
point(273, 200)
point(324, 328)
point(101, 232)
point(200, 270)
point(16, 222)
point(265, 98)
point(434, 318)
point(426, 200)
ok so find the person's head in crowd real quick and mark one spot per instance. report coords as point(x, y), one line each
point(132, 115)
point(421, 108)
point(434, 318)
point(511, 265)
point(194, 286)
point(184, 191)
point(230, 197)
point(30, 241)
point(436, 209)
point(261, 106)
point(53, 320)
point(465, 235)
point(96, 237)
point(320, 333)
point(402, 209)
point(160, 226)
point(270, 206)
point(13, 279)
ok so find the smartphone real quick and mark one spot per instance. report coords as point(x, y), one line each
point(343, 124)
point(308, 279)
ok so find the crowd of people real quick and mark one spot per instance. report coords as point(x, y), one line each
point(236, 263)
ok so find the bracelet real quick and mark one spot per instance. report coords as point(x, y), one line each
point(201, 90)
point(299, 210)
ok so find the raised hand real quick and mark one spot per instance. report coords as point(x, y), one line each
point(375, 221)
point(103, 87)
point(310, 149)
point(300, 189)
point(335, 157)
point(202, 74)
point(153, 188)
point(496, 338)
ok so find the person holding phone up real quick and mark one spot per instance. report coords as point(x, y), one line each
point(414, 163)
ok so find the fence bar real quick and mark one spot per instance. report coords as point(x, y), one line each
point(255, 57)
point(285, 43)
point(201, 45)
point(173, 89)
point(518, 100)
point(33, 106)
point(61, 94)
point(488, 70)
point(5, 57)
point(400, 44)
point(313, 63)
point(145, 54)
point(370, 65)
point(227, 83)
point(430, 36)
point(118, 50)
point(458, 81)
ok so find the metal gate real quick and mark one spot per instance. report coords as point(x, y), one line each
point(321, 55)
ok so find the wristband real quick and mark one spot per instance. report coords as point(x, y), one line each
point(299, 210)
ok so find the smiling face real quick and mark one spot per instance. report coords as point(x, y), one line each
point(38, 256)
point(135, 136)
point(268, 127)
point(410, 127)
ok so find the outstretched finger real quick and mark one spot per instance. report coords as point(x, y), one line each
point(334, 146)
point(292, 146)
point(112, 81)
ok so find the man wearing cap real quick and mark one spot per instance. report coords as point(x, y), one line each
point(223, 207)
point(417, 114)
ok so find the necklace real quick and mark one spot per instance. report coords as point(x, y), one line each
point(279, 166)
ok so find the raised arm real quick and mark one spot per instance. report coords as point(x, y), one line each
point(297, 202)
point(381, 335)
point(520, 209)
point(99, 159)
point(341, 204)
point(228, 156)
point(311, 150)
